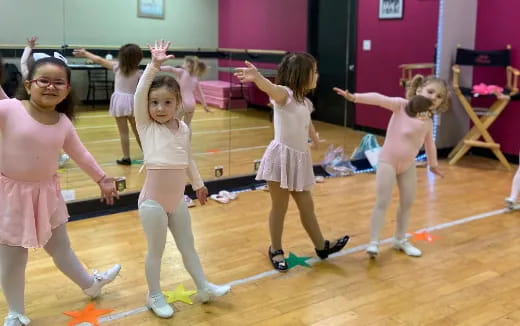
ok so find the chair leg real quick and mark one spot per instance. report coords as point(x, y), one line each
point(480, 130)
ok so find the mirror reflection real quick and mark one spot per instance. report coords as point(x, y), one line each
point(231, 122)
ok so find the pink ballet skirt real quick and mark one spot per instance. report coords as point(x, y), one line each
point(29, 211)
point(292, 168)
point(121, 104)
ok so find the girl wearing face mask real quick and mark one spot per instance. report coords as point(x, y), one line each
point(409, 128)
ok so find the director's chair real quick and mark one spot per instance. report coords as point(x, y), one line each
point(500, 58)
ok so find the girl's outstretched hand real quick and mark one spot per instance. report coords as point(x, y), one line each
point(107, 185)
point(158, 52)
point(81, 53)
point(346, 94)
point(248, 73)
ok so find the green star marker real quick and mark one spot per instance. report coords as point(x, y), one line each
point(294, 260)
point(137, 161)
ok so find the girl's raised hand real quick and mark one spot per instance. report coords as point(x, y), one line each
point(248, 73)
point(158, 52)
point(31, 42)
point(346, 94)
point(107, 185)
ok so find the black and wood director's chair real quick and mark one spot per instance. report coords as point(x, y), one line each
point(482, 119)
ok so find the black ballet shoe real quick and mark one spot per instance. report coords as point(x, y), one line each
point(278, 265)
point(124, 161)
point(327, 250)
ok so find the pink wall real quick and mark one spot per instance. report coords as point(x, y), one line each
point(497, 26)
point(261, 24)
point(264, 24)
point(394, 42)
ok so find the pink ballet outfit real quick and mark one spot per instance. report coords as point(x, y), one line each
point(287, 159)
point(188, 86)
point(31, 204)
point(404, 136)
point(122, 100)
point(167, 153)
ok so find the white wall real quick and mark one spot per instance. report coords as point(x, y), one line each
point(459, 19)
point(187, 23)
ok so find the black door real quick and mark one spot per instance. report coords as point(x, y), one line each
point(332, 40)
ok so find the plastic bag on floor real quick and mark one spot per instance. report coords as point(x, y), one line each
point(368, 142)
point(336, 163)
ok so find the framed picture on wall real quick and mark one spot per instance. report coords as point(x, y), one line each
point(150, 9)
point(391, 9)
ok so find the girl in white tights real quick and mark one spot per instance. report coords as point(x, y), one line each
point(167, 158)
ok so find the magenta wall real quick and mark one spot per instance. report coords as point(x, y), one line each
point(497, 26)
point(261, 24)
point(394, 42)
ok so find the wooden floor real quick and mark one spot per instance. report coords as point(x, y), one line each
point(469, 276)
point(232, 139)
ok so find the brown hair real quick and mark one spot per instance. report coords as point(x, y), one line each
point(419, 81)
point(170, 83)
point(68, 104)
point(417, 104)
point(198, 68)
point(295, 72)
point(130, 55)
point(201, 68)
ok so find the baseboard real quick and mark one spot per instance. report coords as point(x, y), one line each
point(82, 209)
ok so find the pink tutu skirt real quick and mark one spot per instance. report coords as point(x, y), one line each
point(29, 211)
point(292, 168)
point(121, 104)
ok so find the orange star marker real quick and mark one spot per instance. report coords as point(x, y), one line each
point(424, 236)
point(89, 314)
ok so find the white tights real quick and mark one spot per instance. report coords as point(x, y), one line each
point(406, 182)
point(13, 261)
point(515, 187)
point(155, 223)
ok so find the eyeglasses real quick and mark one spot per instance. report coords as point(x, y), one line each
point(59, 84)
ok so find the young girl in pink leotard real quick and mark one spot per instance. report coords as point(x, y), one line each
point(126, 74)
point(33, 213)
point(167, 158)
point(409, 128)
point(188, 79)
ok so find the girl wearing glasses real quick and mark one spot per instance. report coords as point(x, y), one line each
point(32, 210)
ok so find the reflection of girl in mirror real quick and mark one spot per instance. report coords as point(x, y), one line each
point(24, 63)
point(188, 78)
point(127, 74)
point(409, 128)
point(33, 213)
point(167, 158)
point(287, 163)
